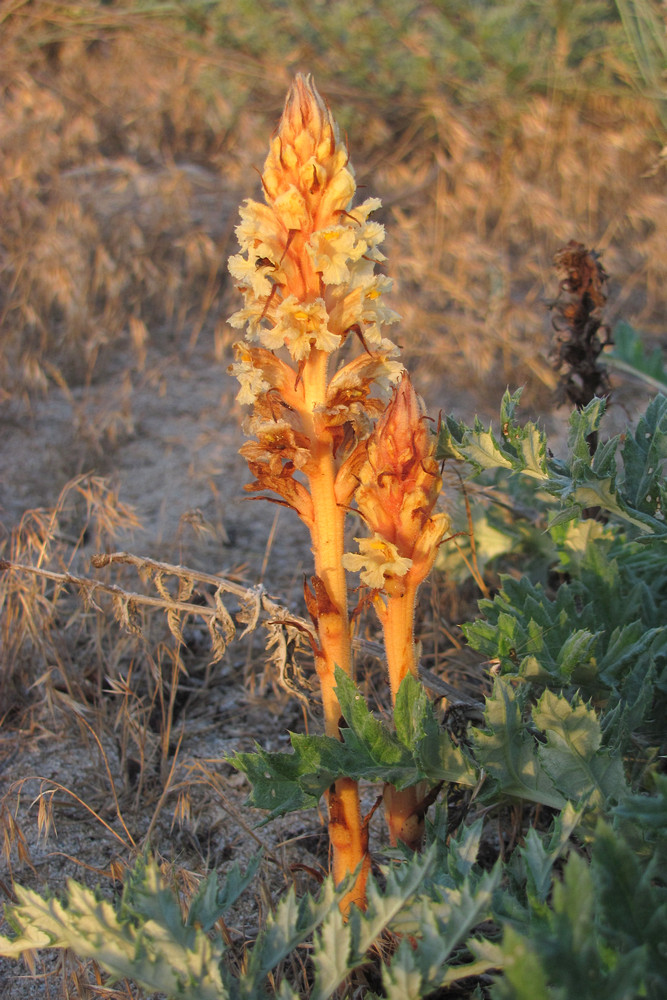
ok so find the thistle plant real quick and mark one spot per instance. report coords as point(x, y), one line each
point(307, 274)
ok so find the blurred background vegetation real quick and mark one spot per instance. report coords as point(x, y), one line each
point(494, 133)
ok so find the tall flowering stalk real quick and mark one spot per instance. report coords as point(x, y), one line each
point(307, 274)
point(398, 488)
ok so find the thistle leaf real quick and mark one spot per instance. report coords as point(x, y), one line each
point(144, 940)
point(572, 755)
point(212, 902)
point(331, 955)
point(508, 753)
point(634, 493)
point(292, 922)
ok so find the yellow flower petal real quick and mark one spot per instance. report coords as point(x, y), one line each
point(378, 559)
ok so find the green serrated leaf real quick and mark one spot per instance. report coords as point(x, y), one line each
point(412, 702)
point(648, 811)
point(576, 651)
point(288, 926)
point(464, 848)
point(442, 919)
point(274, 778)
point(402, 979)
point(450, 436)
point(402, 883)
point(508, 753)
point(573, 757)
point(583, 423)
point(211, 902)
point(509, 405)
point(382, 745)
point(634, 906)
point(483, 450)
point(158, 952)
point(331, 955)
point(532, 451)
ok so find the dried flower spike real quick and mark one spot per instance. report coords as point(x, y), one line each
point(581, 333)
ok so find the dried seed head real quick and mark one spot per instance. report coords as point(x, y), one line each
point(581, 333)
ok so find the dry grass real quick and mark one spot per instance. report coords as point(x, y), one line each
point(125, 145)
point(125, 148)
point(115, 220)
point(478, 261)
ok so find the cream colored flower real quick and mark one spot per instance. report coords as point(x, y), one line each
point(332, 251)
point(252, 382)
point(250, 276)
point(377, 560)
point(259, 233)
point(301, 326)
point(358, 303)
point(250, 317)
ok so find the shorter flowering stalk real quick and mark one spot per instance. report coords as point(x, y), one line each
point(398, 489)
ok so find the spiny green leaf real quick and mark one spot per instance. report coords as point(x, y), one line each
point(576, 651)
point(531, 865)
point(402, 979)
point(634, 906)
point(507, 751)
point(402, 883)
point(572, 755)
point(288, 926)
point(635, 494)
point(412, 704)
point(524, 976)
point(331, 955)
point(464, 848)
point(436, 756)
point(441, 919)
point(212, 902)
point(158, 952)
point(274, 780)
point(483, 450)
point(450, 436)
point(381, 745)
point(648, 811)
point(583, 423)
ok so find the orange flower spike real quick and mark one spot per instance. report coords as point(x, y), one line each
point(306, 271)
point(399, 485)
point(307, 181)
point(400, 482)
point(307, 261)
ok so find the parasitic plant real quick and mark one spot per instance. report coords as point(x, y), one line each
point(307, 274)
point(399, 485)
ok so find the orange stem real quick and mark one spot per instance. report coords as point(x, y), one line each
point(405, 819)
point(347, 832)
